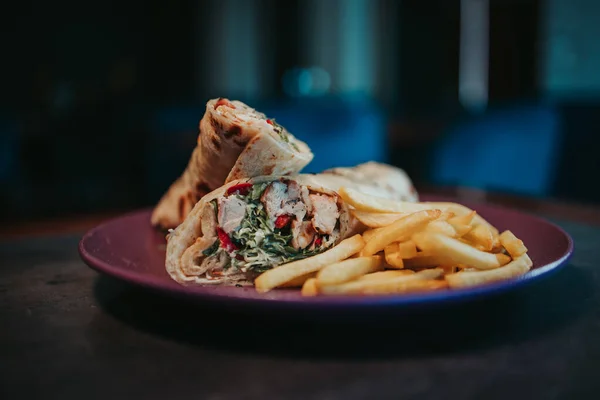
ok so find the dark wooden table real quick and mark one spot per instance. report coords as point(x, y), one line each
point(69, 333)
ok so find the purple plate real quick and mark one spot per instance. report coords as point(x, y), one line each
point(128, 248)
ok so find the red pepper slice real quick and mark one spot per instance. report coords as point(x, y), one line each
point(269, 122)
point(225, 240)
point(282, 221)
point(318, 241)
point(242, 188)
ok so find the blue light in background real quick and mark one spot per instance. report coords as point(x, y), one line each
point(314, 81)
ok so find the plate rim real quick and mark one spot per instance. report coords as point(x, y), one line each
point(427, 298)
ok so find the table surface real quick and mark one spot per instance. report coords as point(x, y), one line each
point(67, 332)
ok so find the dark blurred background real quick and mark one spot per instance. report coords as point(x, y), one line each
point(101, 100)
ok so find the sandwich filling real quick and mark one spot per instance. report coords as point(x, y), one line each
point(255, 227)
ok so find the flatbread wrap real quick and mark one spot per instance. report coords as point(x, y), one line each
point(234, 142)
point(249, 226)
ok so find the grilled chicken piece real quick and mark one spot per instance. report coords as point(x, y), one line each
point(303, 234)
point(295, 208)
point(208, 221)
point(294, 205)
point(306, 199)
point(272, 199)
point(281, 199)
point(293, 190)
point(231, 213)
point(325, 213)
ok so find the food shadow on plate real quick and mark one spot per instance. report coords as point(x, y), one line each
point(520, 315)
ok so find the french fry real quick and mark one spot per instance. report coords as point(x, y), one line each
point(386, 274)
point(376, 220)
point(432, 273)
point(459, 210)
point(443, 227)
point(391, 248)
point(310, 287)
point(482, 236)
point(458, 251)
point(451, 211)
point(369, 203)
point(517, 267)
point(348, 270)
point(513, 245)
point(420, 281)
point(368, 234)
point(400, 230)
point(465, 219)
point(461, 230)
point(365, 202)
point(407, 249)
point(299, 281)
point(392, 256)
point(474, 245)
point(285, 273)
point(496, 245)
point(376, 204)
point(445, 216)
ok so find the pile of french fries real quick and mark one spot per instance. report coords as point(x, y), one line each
point(407, 248)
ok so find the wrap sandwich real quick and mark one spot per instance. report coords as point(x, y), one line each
point(234, 142)
point(251, 225)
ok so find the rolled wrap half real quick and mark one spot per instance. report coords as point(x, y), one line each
point(249, 226)
point(235, 142)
